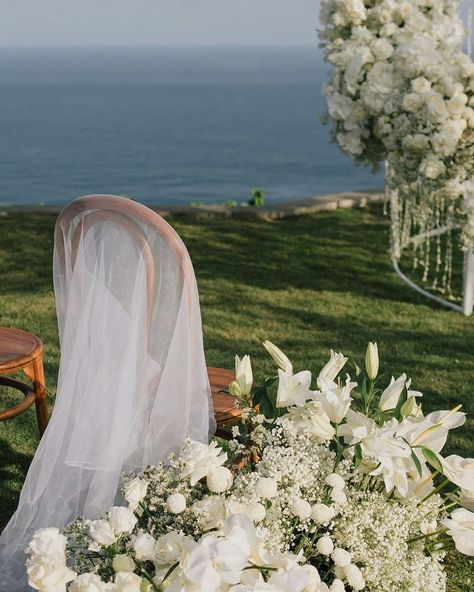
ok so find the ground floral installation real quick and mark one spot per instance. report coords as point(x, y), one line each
point(402, 90)
point(339, 488)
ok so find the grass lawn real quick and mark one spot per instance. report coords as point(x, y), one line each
point(308, 284)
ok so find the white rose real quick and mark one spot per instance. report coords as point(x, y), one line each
point(335, 480)
point(421, 85)
point(122, 520)
point(168, 548)
point(88, 582)
point(313, 584)
point(339, 497)
point(382, 49)
point(256, 512)
point(353, 11)
point(351, 142)
point(412, 102)
point(301, 508)
point(266, 487)
point(102, 532)
point(416, 143)
point(46, 575)
point(122, 562)
point(135, 491)
point(325, 545)
point(176, 503)
point(436, 106)
point(127, 582)
point(144, 547)
point(341, 557)
point(210, 511)
point(432, 168)
point(322, 513)
point(354, 577)
point(337, 586)
point(219, 479)
point(48, 543)
point(457, 104)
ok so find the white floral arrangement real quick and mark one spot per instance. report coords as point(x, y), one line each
point(402, 90)
point(339, 488)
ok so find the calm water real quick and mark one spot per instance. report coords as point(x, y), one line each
point(167, 125)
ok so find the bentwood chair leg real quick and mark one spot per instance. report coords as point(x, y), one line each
point(35, 372)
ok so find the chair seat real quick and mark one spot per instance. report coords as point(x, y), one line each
point(225, 411)
point(17, 349)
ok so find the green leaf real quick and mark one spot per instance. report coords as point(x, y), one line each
point(433, 459)
point(417, 463)
point(357, 455)
point(401, 399)
point(262, 398)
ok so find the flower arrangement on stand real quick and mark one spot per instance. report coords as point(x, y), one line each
point(327, 487)
point(402, 91)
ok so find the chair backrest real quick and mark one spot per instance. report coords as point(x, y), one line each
point(132, 217)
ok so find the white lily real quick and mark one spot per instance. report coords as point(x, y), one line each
point(459, 471)
point(293, 389)
point(333, 367)
point(391, 394)
point(311, 419)
point(335, 399)
point(243, 374)
point(461, 527)
point(372, 360)
point(280, 359)
point(199, 459)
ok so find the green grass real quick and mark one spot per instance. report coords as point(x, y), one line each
point(308, 284)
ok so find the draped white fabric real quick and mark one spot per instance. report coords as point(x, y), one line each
point(132, 381)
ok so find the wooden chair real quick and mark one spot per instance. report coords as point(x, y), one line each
point(126, 213)
point(22, 351)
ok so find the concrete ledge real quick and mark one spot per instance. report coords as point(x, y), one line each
point(269, 212)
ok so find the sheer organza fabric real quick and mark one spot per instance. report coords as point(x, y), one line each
point(132, 381)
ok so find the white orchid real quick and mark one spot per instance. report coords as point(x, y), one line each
point(293, 389)
point(460, 526)
point(333, 367)
point(335, 399)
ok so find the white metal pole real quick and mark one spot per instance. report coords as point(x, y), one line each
point(468, 300)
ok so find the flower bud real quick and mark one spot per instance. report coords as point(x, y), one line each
point(280, 359)
point(267, 487)
point(325, 546)
point(123, 563)
point(219, 479)
point(243, 374)
point(372, 360)
point(176, 503)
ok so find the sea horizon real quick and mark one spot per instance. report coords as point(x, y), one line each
point(168, 124)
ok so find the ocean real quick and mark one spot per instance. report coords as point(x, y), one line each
point(167, 125)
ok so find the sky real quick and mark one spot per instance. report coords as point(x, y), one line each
point(157, 22)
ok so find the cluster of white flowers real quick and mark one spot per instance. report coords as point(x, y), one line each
point(402, 90)
point(376, 533)
point(336, 493)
